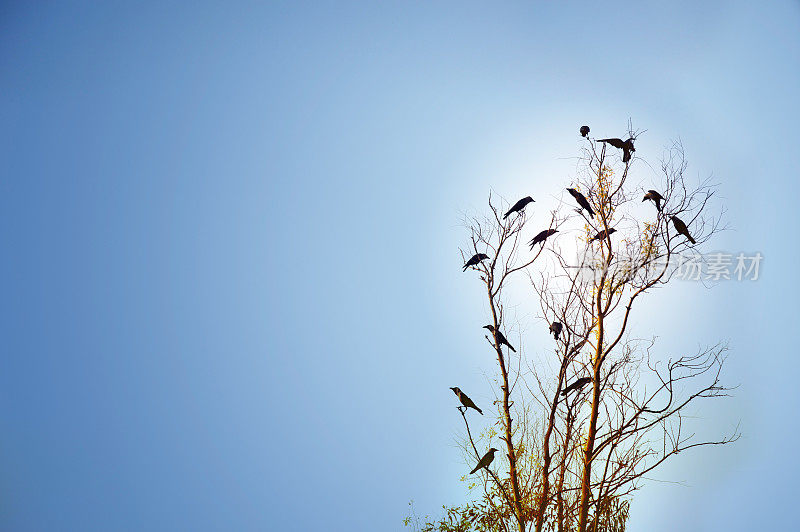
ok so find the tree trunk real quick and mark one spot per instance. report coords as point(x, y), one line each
point(511, 453)
point(588, 451)
point(546, 456)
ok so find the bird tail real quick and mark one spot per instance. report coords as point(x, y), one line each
point(509, 346)
point(591, 212)
point(465, 267)
point(479, 410)
point(506, 215)
point(691, 239)
point(476, 468)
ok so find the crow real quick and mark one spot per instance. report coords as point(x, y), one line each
point(655, 197)
point(602, 235)
point(499, 337)
point(584, 131)
point(518, 206)
point(555, 328)
point(485, 461)
point(541, 237)
point(681, 228)
point(581, 199)
point(617, 143)
point(466, 401)
point(577, 385)
point(625, 145)
point(475, 260)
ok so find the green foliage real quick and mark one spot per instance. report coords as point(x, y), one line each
point(474, 516)
point(610, 516)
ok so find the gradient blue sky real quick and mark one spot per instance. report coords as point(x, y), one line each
point(232, 297)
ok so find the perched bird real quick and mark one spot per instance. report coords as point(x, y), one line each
point(625, 145)
point(582, 201)
point(577, 385)
point(475, 260)
point(518, 206)
point(555, 329)
point(602, 235)
point(499, 336)
point(485, 461)
point(541, 237)
point(465, 400)
point(681, 228)
point(655, 197)
point(584, 131)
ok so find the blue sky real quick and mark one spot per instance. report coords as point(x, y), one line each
point(232, 291)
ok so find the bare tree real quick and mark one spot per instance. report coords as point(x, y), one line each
point(582, 429)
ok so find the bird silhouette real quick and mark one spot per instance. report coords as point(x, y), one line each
point(499, 337)
point(681, 228)
point(541, 237)
point(577, 385)
point(475, 260)
point(655, 197)
point(602, 235)
point(485, 461)
point(518, 206)
point(581, 199)
point(555, 329)
point(625, 145)
point(465, 400)
point(584, 131)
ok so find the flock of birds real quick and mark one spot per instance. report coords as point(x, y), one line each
point(555, 328)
